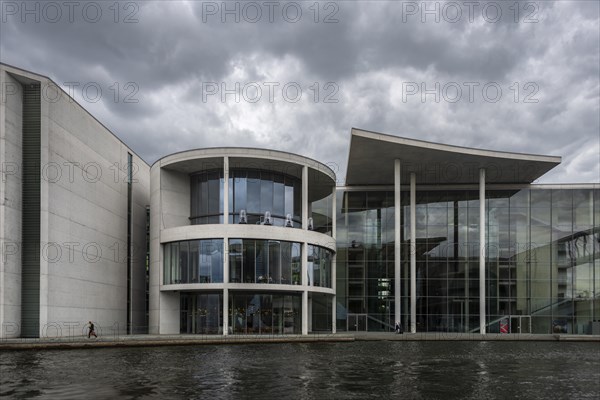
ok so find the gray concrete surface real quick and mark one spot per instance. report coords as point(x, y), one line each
point(79, 342)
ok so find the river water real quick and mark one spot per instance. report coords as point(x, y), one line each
point(328, 371)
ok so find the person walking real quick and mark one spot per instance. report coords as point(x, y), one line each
point(398, 327)
point(92, 330)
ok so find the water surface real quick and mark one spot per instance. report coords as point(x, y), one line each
point(356, 370)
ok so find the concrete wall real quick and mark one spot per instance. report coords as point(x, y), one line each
point(141, 200)
point(84, 221)
point(170, 207)
point(175, 203)
point(169, 313)
point(11, 120)
point(155, 251)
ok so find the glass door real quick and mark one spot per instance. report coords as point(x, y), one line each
point(356, 322)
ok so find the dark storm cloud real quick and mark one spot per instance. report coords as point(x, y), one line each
point(369, 51)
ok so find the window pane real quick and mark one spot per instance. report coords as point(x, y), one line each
point(193, 263)
point(205, 261)
point(167, 264)
point(240, 193)
point(253, 198)
point(249, 261)
point(203, 206)
point(286, 263)
point(298, 201)
point(261, 261)
point(213, 194)
point(216, 258)
point(183, 261)
point(235, 260)
point(278, 196)
point(289, 200)
point(274, 275)
point(175, 263)
point(266, 193)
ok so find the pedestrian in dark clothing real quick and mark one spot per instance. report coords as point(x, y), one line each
point(92, 330)
point(398, 327)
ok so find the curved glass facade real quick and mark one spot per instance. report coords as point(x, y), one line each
point(258, 191)
point(264, 261)
point(261, 313)
point(206, 189)
point(250, 261)
point(254, 191)
point(249, 313)
point(321, 213)
point(319, 266)
point(193, 261)
point(201, 313)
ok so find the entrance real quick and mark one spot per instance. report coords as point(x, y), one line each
point(520, 323)
point(356, 322)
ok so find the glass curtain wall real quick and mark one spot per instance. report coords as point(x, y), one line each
point(321, 312)
point(201, 313)
point(206, 189)
point(193, 261)
point(253, 191)
point(264, 261)
point(447, 256)
point(319, 266)
point(261, 313)
point(365, 260)
point(321, 213)
point(542, 260)
point(257, 191)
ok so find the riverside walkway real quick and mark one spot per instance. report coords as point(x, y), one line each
point(79, 342)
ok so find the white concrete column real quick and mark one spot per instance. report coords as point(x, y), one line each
point(225, 312)
point(225, 246)
point(397, 243)
point(309, 313)
point(482, 247)
point(413, 253)
point(225, 282)
point(304, 280)
point(226, 190)
point(305, 197)
point(305, 312)
point(334, 260)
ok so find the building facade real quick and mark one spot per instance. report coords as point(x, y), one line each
point(72, 217)
point(241, 241)
point(537, 271)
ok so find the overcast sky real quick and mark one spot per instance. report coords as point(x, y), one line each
point(502, 75)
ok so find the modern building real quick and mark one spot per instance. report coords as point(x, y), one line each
point(253, 241)
point(241, 242)
point(73, 211)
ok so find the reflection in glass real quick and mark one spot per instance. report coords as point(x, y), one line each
point(258, 192)
point(194, 261)
point(206, 201)
point(264, 261)
point(542, 259)
point(201, 313)
point(260, 313)
point(319, 266)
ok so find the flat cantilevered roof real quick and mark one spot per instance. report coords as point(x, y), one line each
point(372, 156)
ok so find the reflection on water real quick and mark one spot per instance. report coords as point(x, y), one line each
point(357, 370)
